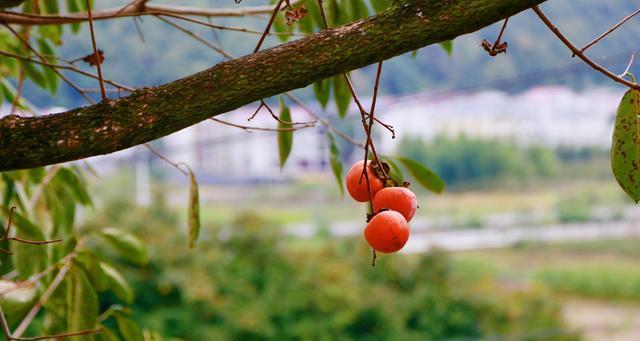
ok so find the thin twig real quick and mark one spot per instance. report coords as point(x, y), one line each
point(323, 121)
point(95, 51)
point(224, 28)
point(68, 81)
point(196, 37)
point(248, 128)
point(24, 324)
point(579, 53)
point(59, 336)
point(613, 28)
point(276, 9)
point(69, 67)
point(165, 159)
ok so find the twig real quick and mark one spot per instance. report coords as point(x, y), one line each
point(22, 327)
point(248, 128)
point(196, 37)
point(579, 53)
point(68, 81)
point(20, 240)
point(276, 9)
point(225, 28)
point(118, 12)
point(69, 67)
point(165, 159)
point(95, 51)
point(613, 28)
point(58, 336)
point(323, 121)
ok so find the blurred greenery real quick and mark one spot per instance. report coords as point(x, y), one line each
point(247, 280)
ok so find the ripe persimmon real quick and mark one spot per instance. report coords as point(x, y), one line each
point(399, 199)
point(357, 188)
point(387, 231)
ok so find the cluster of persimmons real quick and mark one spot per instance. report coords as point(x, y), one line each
point(392, 207)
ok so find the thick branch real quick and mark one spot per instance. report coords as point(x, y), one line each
point(151, 113)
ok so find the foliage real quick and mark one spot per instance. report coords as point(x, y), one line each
point(79, 271)
point(470, 160)
point(620, 281)
point(250, 281)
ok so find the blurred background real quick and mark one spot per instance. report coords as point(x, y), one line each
point(532, 240)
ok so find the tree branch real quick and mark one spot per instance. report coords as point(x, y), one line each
point(151, 113)
point(130, 11)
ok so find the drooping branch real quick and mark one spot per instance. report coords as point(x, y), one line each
point(151, 113)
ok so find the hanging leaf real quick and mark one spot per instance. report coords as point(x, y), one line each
point(625, 148)
point(127, 245)
point(335, 159)
point(426, 177)
point(194, 210)
point(16, 300)
point(117, 283)
point(285, 137)
point(82, 301)
point(395, 172)
point(341, 95)
point(447, 46)
point(70, 178)
point(322, 90)
point(128, 329)
point(72, 6)
point(358, 9)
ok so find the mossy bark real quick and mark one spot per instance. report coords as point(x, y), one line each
point(151, 113)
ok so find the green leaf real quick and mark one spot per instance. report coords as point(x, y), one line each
point(625, 148)
point(447, 46)
point(69, 178)
point(82, 301)
point(97, 276)
point(395, 171)
point(426, 177)
point(127, 245)
point(358, 9)
point(28, 259)
point(106, 334)
point(380, 5)
point(129, 329)
point(117, 283)
point(285, 137)
point(335, 159)
point(32, 73)
point(194, 210)
point(16, 300)
point(73, 6)
point(322, 90)
point(50, 76)
point(342, 95)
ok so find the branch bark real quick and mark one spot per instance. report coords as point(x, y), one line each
point(151, 113)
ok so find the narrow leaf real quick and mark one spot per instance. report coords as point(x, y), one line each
point(127, 245)
point(426, 177)
point(194, 211)
point(82, 301)
point(117, 283)
point(447, 46)
point(335, 159)
point(380, 5)
point(129, 329)
point(322, 90)
point(625, 148)
point(285, 138)
point(395, 171)
point(341, 95)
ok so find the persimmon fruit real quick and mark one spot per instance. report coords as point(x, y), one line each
point(358, 189)
point(399, 199)
point(387, 232)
